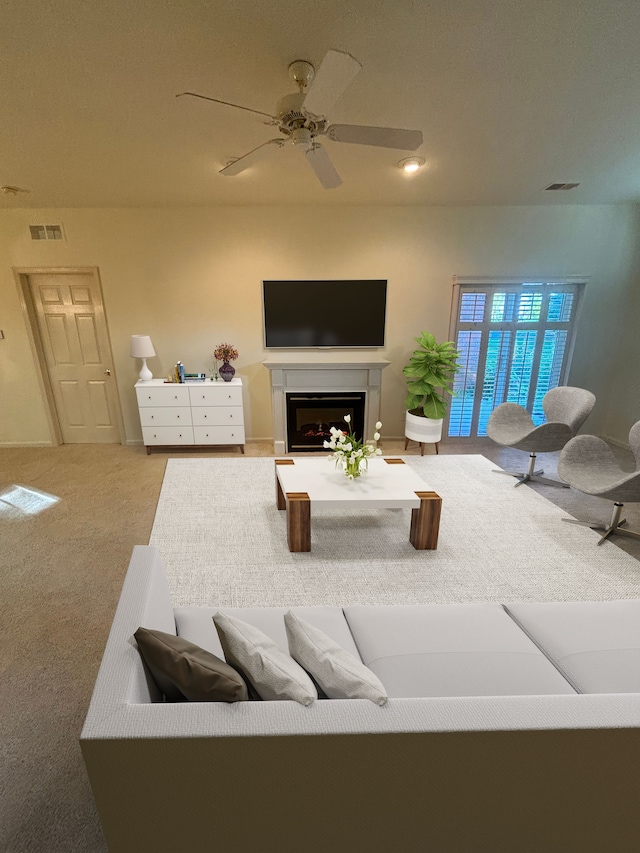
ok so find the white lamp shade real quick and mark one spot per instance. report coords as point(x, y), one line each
point(141, 346)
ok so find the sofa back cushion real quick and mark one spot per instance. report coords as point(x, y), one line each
point(595, 644)
point(196, 624)
point(428, 650)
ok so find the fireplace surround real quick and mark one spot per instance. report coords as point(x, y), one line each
point(317, 378)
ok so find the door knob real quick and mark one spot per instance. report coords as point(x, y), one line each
point(107, 372)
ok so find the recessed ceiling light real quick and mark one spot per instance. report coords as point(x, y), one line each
point(411, 164)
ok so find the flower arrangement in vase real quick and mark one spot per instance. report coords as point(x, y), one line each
point(349, 452)
point(226, 353)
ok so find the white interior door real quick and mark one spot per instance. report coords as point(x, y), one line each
point(76, 348)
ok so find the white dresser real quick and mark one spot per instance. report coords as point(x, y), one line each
point(191, 413)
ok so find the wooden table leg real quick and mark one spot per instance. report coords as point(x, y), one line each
point(280, 501)
point(425, 522)
point(298, 521)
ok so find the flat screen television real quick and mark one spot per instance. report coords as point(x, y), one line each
point(342, 313)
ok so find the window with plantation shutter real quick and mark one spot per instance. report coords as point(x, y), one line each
point(515, 340)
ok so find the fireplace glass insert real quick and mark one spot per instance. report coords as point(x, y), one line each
point(311, 416)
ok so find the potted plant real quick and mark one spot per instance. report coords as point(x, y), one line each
point(430, 374)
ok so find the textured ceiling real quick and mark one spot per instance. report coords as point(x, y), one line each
point(511, 95)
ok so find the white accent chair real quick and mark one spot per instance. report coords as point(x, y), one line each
point(588, 464)
point(566, 409)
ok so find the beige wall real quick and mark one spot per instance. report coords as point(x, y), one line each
point(191, 279)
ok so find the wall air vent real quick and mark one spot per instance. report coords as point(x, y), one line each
point(562, 186)
point(46, 232)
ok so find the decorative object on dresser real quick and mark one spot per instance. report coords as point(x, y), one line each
point(226, 353)
point(431, 367)
point(141, 347)
point(190, 413)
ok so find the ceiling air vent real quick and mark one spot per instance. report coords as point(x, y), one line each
point(562, 186)
point(46, 232)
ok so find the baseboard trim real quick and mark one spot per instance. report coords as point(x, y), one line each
point(623, 445)
point(28, 444)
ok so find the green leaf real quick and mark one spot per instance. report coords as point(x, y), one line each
point(434, 408)
point(427, 340)
point(413, 401)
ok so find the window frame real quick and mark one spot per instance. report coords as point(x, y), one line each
point(489, 286)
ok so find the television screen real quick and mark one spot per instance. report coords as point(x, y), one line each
point(300, 314)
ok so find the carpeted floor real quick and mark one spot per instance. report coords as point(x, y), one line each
point(61, 571)
point(224, 543)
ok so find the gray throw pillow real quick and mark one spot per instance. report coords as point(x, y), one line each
point(273, 673)
point(183, 670)
point(339, 674)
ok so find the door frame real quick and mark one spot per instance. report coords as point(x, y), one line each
point(21, 275)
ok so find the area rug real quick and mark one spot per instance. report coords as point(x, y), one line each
point(224, 543)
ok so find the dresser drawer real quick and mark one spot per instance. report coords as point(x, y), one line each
point(167, 395)
point(216, 394)
point(218, 434)
point(166, 416)
point(217, 415)
point(167, 435)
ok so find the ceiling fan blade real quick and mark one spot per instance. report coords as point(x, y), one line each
point(252, 157)
point(336, 71)
point(226, 103)
point(384, 137)
point(325, 171)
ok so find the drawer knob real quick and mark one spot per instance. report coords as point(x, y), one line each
point(152, 417)
point(178, 416)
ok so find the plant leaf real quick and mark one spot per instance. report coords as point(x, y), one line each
point(434, 408)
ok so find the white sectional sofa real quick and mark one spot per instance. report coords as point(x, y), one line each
point(508, 728)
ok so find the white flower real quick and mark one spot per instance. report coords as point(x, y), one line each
point(378, 452)
point(370, 449)
point(349, 476)
point(376, 436)
point(347, 446)
point(347, 419)
point(378, 426)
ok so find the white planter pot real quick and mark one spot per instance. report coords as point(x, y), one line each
point(424, 430)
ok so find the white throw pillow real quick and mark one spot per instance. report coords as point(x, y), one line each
point(273, 673)
point(338, 673)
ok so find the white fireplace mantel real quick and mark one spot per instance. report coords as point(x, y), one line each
point(357, 374)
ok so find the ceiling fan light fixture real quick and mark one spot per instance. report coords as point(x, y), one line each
point(410, 165)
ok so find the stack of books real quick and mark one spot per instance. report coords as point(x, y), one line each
point(181, 376)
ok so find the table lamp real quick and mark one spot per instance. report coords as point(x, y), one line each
point(141, 347)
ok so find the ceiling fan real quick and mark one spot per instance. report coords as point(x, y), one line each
point(301, 118)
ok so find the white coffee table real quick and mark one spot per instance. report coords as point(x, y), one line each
point(388, 484)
